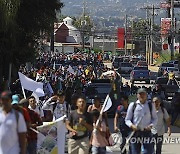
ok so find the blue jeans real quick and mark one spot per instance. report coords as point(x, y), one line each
point(141, 138)
point(32, 147)
point(98, 150)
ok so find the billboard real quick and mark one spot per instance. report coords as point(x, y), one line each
point(121, 38)
point(165, 26)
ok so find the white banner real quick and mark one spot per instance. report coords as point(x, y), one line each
point(31, 85)
point(51, 137)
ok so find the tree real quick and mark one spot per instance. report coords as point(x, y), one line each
point(21, 22)
point(88, 24)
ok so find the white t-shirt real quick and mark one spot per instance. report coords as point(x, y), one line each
point(9, 142)
point(38, 110)
point(59, 111)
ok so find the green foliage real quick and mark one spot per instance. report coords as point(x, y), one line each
point(141, 28)
point(164, 57)
point(88, 24)
point(97, 50)
point(21, 24)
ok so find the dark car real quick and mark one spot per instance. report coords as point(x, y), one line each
point(140, 74)
point(102, 88)
point(125, 68)
point(169, 90)
point(117, 61)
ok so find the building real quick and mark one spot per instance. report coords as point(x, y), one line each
point(65, 32)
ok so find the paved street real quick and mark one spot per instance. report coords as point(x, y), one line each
point(167, 148)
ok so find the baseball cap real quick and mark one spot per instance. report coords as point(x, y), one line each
point(23, 101)
point(141, 90)
point(6, 95)
point(15, 99)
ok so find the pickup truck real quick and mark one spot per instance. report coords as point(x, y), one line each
point(125, 68)
point(140, 74)
point(169, 90)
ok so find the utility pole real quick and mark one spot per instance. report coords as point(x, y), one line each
point(52, 39)
point(103, 43)
point(152, 28)
point(173, 29)
point(83, 25)
point(149, 37)
point(132, 37)
point(125, 42)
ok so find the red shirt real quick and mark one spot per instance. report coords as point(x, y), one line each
point(35, 119)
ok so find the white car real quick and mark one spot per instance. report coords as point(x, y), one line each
point(175, 70)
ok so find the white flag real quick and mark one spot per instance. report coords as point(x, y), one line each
point(70, 70)
point(54, 65)
point(31, 85)
point(107, 104)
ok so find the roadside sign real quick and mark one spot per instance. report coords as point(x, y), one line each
point(165, 5)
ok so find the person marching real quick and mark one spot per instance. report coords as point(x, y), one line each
point(120, 116)
point(141, 117)
point(79, 124)
point(171, 80)
point(159, 130)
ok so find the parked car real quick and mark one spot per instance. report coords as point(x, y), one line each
point(140, 74)
point(163, 67)
point(142, 63)
point(117, 61)
point(125, 68)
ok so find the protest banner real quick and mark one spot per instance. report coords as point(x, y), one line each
point(51, 137)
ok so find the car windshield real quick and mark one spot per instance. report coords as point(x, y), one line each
point(118, 60)
point(173, 69)
point(140, 68)
point(101, 91)
point(126, 65)
point(167, 65)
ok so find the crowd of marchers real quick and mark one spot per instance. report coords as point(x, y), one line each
point(67, 76)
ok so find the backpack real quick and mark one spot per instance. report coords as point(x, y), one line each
point(150, 108)
point(17, 117)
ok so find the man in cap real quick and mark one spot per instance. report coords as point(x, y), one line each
point(57, 105)
point(141, 117)
point(35, 121)
point(12, 127)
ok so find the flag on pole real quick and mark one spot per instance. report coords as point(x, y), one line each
point(31, 85)
point(107, 104)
